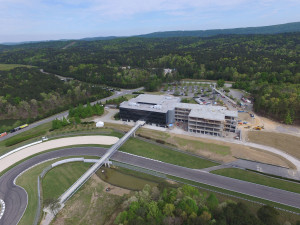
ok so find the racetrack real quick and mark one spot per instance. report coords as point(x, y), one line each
point(16, 198)
point(56, 143)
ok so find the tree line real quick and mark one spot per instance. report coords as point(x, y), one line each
point(186, 205)
point(255, 63)
point(27, 95)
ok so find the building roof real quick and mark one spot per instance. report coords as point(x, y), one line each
point(156, 103)
point(164, 103)
point(207, 114)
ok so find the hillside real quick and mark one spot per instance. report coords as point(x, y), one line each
point(274, 29)
point(265, 65)
point(26, 94)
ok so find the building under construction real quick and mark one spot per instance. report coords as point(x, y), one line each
point(164, 110)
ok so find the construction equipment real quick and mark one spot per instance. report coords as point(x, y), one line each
point(257, 128)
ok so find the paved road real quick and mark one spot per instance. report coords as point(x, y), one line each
point(16, 198)
point(65, 113)
point(266, 168)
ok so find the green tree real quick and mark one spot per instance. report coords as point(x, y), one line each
point(220, 83)
point(169, 209)
point(212, 202)
point(288, 119)
point(268, 215)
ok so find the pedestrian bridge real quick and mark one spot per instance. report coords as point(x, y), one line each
point(65, 196)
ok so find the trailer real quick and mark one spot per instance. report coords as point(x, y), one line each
point(23, 126)
point(3, 134)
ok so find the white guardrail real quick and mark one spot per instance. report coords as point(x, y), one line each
point(20, 148)
point(2, 203)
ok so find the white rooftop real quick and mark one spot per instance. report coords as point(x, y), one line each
point(164, 103)
point(207, 114)
point(156, 103)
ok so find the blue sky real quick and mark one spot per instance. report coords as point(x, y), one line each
point(30, 20)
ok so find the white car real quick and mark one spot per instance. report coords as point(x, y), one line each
point(44, 138)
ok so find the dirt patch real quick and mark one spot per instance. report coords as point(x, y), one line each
point(285, 142)
point(171, 181)
point(92, 204)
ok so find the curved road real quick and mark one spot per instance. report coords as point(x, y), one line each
point(16, 198)
point(66, 113)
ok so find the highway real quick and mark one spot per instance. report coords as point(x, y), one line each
point(66, 113)
point(16, 198)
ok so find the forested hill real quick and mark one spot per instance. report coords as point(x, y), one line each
point(268, 66)
point(274, 29)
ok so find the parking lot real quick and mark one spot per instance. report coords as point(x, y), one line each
point(203, 94)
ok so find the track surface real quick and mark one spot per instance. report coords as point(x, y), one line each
point(16, 198)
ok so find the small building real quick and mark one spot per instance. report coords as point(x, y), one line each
point(100, 124)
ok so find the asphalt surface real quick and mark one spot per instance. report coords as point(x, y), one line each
point(66, 113)
point(16, 198)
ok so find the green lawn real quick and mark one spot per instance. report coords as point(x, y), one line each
point(198, 145)
point(141, 148)
point(124, 178)
point(60, 178)
point(63, 132)
point(43, 127)
point(11, 66)
point(28, 181)
point(259, 179)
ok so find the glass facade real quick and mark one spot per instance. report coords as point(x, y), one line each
point(148, 116)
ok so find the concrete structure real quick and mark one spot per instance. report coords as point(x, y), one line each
point(164, 110)
point(154, 109)
point(104, 159)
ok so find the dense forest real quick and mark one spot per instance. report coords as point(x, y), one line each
point(268, 66)
point(26, 94)
point(186, 205)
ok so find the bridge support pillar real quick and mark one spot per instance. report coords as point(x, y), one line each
point(133, 135)
point(107, 164)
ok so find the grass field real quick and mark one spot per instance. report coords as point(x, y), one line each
point(259, 179)
point(11, 66)
point(43, 127)
point(82, 129)
point(141, 148)
point(127, 179)
point(57, 179)
point(196, 145)
point(60, 178)
point(29, 182)
point(281, 141)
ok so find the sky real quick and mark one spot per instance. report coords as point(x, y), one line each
point(34, 20)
